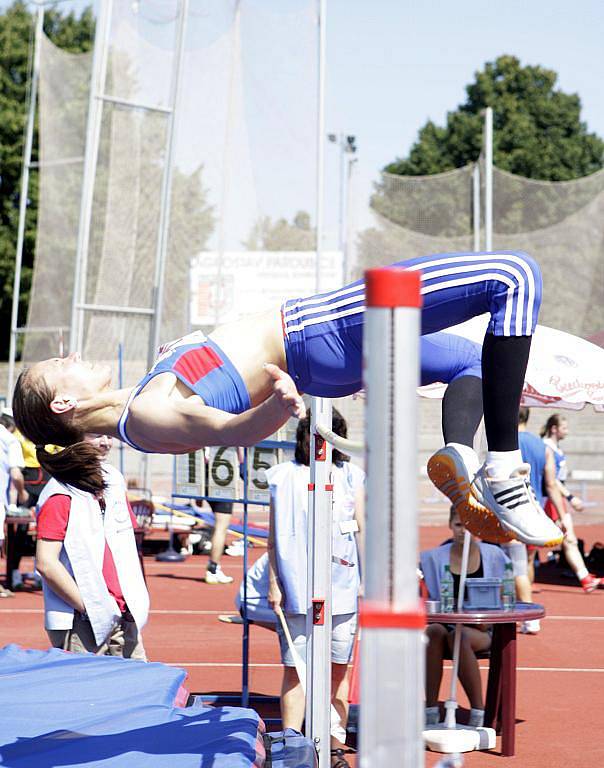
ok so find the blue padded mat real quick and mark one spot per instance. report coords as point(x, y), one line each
point(84, 711)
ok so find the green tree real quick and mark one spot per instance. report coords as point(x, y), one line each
point(538, 131)
point(74, 33)
point(282, 235)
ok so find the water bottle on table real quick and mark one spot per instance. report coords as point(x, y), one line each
point(508, 588)
point(447, 599)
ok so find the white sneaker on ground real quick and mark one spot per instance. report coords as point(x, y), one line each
point(530, 627)
point(453, 475)
point(235, 549)
point(512, 500)
point(218, 578)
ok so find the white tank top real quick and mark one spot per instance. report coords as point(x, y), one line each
point(289, 493)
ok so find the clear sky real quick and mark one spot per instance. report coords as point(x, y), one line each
point(393, 64)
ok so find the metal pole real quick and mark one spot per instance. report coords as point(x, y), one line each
point(392, 652)
point(27, 150)
point(226, 160)
point(321, 22)
point(348, 228)
point(245, 638)
point(93, 134)
point(488, 181)
point(342, 203)
point(318, 613)
point(166, 188)
point(120, 384)
point(476, 205)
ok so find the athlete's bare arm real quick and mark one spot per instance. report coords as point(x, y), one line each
point(174, 425)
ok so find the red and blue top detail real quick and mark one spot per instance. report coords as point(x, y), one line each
point(204, 368)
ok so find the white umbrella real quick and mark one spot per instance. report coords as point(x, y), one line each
point(564, 371)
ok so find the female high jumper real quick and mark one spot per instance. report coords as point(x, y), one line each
point(243, 381)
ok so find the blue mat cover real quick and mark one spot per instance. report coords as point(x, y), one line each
point(84, 711)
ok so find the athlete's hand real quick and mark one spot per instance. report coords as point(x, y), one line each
point(285, 391)
point(577, 504)
point(275, 596)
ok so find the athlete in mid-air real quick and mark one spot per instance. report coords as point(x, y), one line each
point(243, 381)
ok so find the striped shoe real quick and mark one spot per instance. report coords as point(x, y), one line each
point(452, 476)
point(513, 502)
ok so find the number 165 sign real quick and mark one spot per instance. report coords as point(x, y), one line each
point(258, 461)
point(223, 473)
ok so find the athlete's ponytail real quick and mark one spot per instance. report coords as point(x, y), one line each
point(79, 463)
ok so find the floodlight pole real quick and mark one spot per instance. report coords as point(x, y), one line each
point(318, 610)
point(321, 8)
point(166, 188)
point(476, 205)
point(93, 136)
point(488, 180)
point(26, 164)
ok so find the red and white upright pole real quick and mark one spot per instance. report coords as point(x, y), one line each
point(318, 616)
point(392, 618)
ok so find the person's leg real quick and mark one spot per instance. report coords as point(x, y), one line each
point(517, 552)
point(58, 638)
point(292, 700)
point(447, 357)
point(222, 518)
point(339, 700)
point(436, 635)
point(292, 694)
point(133, 647)
point(570, 547)
point(507, 286)
point(80, 638)
point(472, 640)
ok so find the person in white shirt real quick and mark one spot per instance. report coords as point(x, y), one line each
point(288, 556)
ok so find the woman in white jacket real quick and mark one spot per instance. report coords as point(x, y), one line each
point(95, 597)
point(287, 548)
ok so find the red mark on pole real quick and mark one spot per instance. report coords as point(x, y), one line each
point(320, 449)
point(392, 287)
point(318, 612)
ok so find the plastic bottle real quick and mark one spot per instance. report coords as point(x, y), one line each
point(508, 589)
point(446, 591)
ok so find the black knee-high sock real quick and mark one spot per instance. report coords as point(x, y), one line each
point(462, 410)
point(504, 361)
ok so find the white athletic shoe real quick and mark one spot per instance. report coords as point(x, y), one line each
point(218, 578)
point(512, 500)
point(453, 477)
point(530, 627)
point(235, 549)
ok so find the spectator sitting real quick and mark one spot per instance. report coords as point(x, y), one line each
point(484, 560)
point(95, 598)
point(287, 550)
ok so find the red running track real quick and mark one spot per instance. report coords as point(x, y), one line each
point(560, 671)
